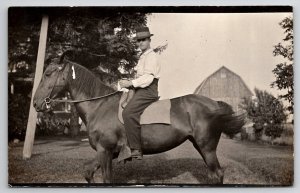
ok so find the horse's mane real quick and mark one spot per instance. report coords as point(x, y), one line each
point(87, 82)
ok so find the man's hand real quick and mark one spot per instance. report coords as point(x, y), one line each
point(125, 83)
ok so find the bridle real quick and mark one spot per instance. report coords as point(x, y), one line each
point(48, 100)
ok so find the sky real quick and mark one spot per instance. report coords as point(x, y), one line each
point(201, 43)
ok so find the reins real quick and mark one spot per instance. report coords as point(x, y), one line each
point(81, 100)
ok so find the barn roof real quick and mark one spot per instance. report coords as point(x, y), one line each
point(223, 67)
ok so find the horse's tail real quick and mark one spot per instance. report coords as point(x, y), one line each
point(228, 121)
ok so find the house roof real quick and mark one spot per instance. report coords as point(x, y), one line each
point(223, 67)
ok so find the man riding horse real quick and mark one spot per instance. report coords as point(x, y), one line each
point(146, 91)
point(192, 117)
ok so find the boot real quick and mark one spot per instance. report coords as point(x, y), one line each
point(136, 154)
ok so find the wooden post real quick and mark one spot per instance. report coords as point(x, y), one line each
point(30, 132)
point(74, 125)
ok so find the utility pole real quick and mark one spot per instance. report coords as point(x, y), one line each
point(31, 125)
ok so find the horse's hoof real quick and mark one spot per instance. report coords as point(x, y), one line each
point(127, 160)
point(89, 180)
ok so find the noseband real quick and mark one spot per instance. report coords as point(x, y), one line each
point(47, 102)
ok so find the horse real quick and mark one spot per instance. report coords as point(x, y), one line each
point(196, 118)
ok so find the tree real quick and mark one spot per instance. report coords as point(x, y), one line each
point(97, 38)
point(23, 36)
point(267, 113)
point(284, 72)
point(100, 41)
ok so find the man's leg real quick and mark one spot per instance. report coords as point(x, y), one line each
point(131, 115)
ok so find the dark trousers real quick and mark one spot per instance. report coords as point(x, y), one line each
point(142, 98)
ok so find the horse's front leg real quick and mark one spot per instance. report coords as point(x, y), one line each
point(103, 159)
point(92, 167)
point(106, 166)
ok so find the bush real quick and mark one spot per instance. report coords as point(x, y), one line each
point(249, 133)
point(266, 112)
point(258, 129)
point(283, 140)
point(287, 136)
point(50, 124)
point(18, 110)
point(273, 130)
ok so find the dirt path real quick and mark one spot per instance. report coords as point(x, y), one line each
point(61, 161)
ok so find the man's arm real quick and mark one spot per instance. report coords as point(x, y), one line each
point(151, 67)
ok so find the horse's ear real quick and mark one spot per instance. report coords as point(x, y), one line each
point(62, 66)
point(62, 63)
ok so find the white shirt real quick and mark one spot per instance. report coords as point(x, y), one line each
point(148, 68)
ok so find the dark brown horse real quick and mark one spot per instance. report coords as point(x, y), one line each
point(195, 118)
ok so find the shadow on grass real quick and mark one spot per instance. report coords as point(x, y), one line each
point(76, 143)
point(56, 151)
point(159, 170)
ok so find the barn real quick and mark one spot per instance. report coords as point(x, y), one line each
point(224, 85)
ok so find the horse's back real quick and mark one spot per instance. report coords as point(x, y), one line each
point(201, 100)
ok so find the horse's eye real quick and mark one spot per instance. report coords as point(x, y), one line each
point(48, 73)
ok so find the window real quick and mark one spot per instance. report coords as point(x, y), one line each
point(223, 75)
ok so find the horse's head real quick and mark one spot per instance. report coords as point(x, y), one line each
point(52, 85)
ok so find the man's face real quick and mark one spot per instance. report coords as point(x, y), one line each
point(144, 44)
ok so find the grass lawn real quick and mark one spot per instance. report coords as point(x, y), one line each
point(61, 160)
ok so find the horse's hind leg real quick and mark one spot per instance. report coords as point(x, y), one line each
point(208, 152)
point(216, 173)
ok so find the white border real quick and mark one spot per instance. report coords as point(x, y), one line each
point(3, 85)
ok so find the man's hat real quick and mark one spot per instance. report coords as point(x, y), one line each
point(142, 33)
